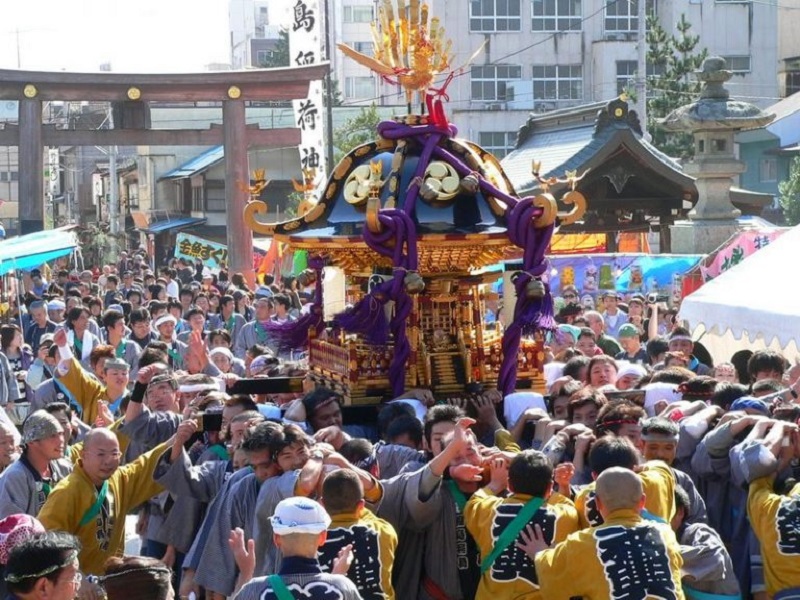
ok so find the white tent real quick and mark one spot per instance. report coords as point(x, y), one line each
point(754, 305)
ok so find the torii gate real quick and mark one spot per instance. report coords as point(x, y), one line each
point(232, 88)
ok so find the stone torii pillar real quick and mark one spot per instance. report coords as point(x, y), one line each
point(31, 166)
point(237, 180)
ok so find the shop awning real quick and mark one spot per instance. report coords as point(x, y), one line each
point(173, 224)
point(197, 165)
point(29, 251)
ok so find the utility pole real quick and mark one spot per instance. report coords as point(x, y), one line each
point(113, 194)
point(641, 68)
point(329, 91)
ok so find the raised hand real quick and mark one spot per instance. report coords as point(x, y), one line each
point(244, 552)
point(343, 560)
point(533, 541)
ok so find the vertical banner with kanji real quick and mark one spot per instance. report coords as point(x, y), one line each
point(305, 48)
point(308, 117)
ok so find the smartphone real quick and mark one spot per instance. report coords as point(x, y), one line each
point(209, 421)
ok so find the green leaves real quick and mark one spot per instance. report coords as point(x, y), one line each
point(790, 194)
point(671, 62)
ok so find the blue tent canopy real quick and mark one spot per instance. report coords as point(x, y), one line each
point(29, 251)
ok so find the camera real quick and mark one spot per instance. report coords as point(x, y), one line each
point(654, 298)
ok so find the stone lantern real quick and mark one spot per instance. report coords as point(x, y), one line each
point(713, 120)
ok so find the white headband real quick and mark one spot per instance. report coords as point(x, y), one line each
point(164, 318)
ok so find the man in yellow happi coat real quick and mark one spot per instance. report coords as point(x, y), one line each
point(93, 501)
point(625, 557)
point(497, 522)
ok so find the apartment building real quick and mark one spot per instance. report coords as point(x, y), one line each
point(543, 55)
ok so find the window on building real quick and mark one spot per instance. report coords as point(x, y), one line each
point(364, 47)
point(359, 87)
point(768, 170)
point(792, 82)
point(732, 1)
point(738, 64)
point(215, 196)
point(133, 196)
point(626, 75)
point(263, 57)
point(358, 14)
point(498, 143)
point(622, 17)
point(557, 83)
point(489, 82)
point(198, 199)
point(557, 15)
point(495, 15)
point(13, 175)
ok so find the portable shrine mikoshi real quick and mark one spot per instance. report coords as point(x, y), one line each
point(428, 209)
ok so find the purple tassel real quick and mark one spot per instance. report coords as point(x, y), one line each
point(367, 317)
point(293, 335)
point(402, 347)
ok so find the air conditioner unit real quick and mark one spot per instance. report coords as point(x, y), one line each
point(495, 106)
point(541, 107)
point(616, 37)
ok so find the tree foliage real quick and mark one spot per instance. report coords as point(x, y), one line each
point(790, 194)
point(671, 60)
point(355, 131)
point(279, 56)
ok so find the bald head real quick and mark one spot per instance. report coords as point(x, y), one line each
point(101, 455)
point(619, 488)
point(99, 437)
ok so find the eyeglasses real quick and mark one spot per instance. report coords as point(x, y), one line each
point(104, 455)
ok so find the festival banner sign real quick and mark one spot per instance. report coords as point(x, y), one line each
point(213, 255)
point(742, 246)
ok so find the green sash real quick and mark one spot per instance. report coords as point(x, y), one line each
point(219, 452)
point(511, 532)
point(120, 350)
point(177, 360)
point(279, 588)
point(230, 323)
point(457, 494)
point(261, 333)
point(94, 509)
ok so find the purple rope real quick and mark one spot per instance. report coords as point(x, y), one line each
point(293, 335)
point(368, 317)
point(530, 314)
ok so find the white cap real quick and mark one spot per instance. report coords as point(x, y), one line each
point(517, 403)
point(299, 515)
point(56, 304)
point(221, 350)
point(629, 368)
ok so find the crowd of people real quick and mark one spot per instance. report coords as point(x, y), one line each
point(645, 471)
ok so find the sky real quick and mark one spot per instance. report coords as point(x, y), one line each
point(145, 36)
